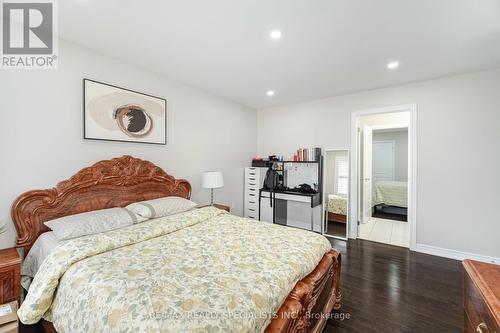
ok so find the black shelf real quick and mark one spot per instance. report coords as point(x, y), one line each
point(316, 198)
point(304, 194)
point(294, 161)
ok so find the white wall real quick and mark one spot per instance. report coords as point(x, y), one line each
point(400, 139)
point(458, 151)
point(41, 132)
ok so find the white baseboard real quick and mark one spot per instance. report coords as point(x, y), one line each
point(453, 254)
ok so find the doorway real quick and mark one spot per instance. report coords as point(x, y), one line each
point(383, 185)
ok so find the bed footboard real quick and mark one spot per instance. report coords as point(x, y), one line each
point(310, 303)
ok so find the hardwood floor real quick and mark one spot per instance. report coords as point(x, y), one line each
point(390, 289)
point(336, 229)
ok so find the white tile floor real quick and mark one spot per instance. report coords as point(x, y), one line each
point(385, 231)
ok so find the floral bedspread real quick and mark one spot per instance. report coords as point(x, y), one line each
point(200, 271)
point(337, 205)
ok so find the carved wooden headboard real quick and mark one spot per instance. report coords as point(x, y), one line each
point(106, 184)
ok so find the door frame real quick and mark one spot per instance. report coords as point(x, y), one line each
point(412, 167)
point(365, 173)
point(325, 198)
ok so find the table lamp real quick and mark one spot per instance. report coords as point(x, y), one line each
point(211, 180)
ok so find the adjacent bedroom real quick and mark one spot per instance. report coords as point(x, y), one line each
point(384, 174)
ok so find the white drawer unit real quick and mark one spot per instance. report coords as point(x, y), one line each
point(254, 180)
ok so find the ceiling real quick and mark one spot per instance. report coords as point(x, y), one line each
point(328, 47)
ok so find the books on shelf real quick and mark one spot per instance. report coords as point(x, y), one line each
point(308, 154)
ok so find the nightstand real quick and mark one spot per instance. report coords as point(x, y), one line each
point(223, 207)
point(10, 275)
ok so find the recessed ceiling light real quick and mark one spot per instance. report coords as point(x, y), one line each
point(270, 93)
point(393, 65)
point(275, 34)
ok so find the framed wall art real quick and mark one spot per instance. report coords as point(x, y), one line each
point(116, 114)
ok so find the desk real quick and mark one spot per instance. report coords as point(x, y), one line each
point(294, 209)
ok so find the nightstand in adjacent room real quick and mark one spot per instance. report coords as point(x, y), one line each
point(10, 275)
point(223, 207)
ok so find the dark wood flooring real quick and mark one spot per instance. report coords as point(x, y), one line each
point(391, 289)
point(336, 229)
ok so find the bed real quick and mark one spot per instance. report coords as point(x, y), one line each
point(390, 193)
point(148, 276)
point(337, 208)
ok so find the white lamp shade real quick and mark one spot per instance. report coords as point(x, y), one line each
point(212, 179)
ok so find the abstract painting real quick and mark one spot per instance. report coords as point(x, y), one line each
point(117, 114)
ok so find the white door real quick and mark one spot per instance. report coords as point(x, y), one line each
point(383, 160)
point(367, 173)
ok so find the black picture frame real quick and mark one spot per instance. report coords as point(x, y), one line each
point(85, 137)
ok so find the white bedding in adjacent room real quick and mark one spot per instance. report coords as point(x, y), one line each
point(390, 193)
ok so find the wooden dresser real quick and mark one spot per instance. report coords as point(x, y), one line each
point(481, 297)
point(10, 279)
point(223, 207)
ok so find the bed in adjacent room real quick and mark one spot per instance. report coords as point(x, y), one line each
point(391, 193)
point(390, 200)
point(337, 208)
point(197, 269)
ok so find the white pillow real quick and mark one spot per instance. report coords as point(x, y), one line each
point(151, 209)
point(97, 221)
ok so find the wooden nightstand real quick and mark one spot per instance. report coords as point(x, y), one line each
point(223, 207)
point(10, 275)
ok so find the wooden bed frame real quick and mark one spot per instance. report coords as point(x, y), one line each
point(341, 218)
point(124, 180)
